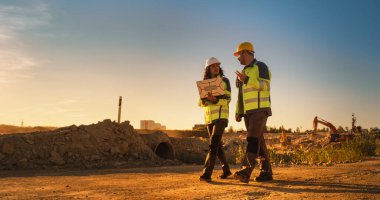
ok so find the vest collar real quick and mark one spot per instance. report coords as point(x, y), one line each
point(216, 76)
point(251, 64)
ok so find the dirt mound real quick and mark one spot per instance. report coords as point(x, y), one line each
point(97, 145)
point(109, 144)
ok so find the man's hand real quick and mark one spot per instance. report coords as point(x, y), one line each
point(211, 97)
point(241, 76)
point(238, 118)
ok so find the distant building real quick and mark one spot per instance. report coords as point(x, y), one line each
point(147, 124)
point(151, 125)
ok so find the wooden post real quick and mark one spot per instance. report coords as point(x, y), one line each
point(119, 115)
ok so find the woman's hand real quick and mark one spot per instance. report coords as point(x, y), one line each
point(211, 97)
point(204, 103)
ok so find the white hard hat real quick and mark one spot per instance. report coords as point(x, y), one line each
point(211, 61)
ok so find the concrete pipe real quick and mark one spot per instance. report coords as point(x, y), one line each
point(160, 144)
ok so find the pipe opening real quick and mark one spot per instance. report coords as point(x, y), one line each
point(165, 150)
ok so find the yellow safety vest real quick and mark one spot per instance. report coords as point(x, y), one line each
point(219, 110)
point(255, 92)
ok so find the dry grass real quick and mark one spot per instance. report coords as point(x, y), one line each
point(342, 152)
point(9, 129)
point(378, 146)
point(351, 151)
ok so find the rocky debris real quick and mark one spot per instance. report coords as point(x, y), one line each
point(56, 158)
point(2, 156)
point(194, 149)
point(29, 139)
point(8, 148)
point(191, 149)
point(309, 141)
point(103, 144)
point(234, 148)
point(109, 144)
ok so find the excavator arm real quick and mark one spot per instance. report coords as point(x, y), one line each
point(324, 122)
point(334, 135)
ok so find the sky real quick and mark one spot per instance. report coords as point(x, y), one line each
point(65, 62)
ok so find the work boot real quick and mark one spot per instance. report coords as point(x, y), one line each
point(224, 163)
point(205, 178)
point(208, 167)
point(247, 167)
point(264, 176)
point(265, 166)
point(225, 175)
point(241, 176)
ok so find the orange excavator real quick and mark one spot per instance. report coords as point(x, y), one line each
point(334, 135)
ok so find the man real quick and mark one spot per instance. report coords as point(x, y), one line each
point(255, 106)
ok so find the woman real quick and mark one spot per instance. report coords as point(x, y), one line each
point(216, 117)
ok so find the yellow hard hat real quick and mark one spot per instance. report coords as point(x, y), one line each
point(244, 46)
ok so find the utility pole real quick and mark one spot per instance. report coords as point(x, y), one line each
point(119, 115)
point(354, 128)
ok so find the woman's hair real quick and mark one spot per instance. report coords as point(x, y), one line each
point(207, 73)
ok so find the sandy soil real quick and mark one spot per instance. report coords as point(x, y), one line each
point(341, 181)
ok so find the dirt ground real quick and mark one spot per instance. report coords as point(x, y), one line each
point(341, 181)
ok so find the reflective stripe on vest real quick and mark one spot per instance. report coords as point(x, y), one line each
point(216, 111)
point(212, 113)
point(251, 89)
point(251, 100)
point(262, 84)
point(266, 83)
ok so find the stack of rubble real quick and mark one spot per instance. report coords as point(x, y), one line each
point(190, 149)
point(103, 144)
point(311, 141)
